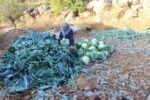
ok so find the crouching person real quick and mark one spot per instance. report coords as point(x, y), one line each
point(67, 32)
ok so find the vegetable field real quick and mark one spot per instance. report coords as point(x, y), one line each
point(113, 64)
point(38, 60)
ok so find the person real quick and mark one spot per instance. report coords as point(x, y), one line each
point(67, 32)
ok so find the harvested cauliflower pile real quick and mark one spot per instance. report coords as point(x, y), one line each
point(38, 60)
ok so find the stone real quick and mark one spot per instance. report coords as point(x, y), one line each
point(98, 7)
point(64, 14)
point(75, 28)
point(70, 17)
point(148, 97)
point(43, 9)
point(91, 4)
point(81, 96)
point(123, 2)
point(34, 13)
point(88, 93)
point(135, 2)
point(145, 12)
point(134, 13)
point(44, 18)
point(2, 95)
point(146, 4)
point(82, 82)
point(85, 14)
point(28, 20)
point(29, 10)
point(115, 2)
point(95, 97)
point(95, 5)
point(138, 7)
point(131, 13)
point(28, 97)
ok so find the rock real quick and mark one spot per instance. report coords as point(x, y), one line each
point(64, 14)
point(148, 97)
point(88, 93)
point(28, 20)
point(70, 17)
point(3, 93)
point(145, 12)
point(82, 82)
point(91, 5)
point(29, 10)
point(95, 97)
point(98, 3)
point(75, 97)
point(9, 29)
point(44, 18)
point(98, 7)
point(115, 2)
point(131, 13)
point(81, 97)
point(34, 13)
point(134, 13)
point(27, 97)
point(85, 14)
point(146, 4)
point(123, 2)
point(43, 9)
point(138, 7)
point(95, 6)
point(75, 28)
point(135, 2)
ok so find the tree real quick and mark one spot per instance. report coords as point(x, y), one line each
point(74, 6)
point(57, 6)
point(12, 9)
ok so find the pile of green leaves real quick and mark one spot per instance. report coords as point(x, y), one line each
point(119, 34)
point(38, 60)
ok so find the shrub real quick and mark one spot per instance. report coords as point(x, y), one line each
point(12, 9)
point(75, 5)
point(1, 1)
point(2, 18)
point(71, 5)
point(56, 6)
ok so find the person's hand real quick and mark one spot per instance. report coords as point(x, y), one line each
point(73, 48)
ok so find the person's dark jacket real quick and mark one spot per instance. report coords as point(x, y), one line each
point(68, 36)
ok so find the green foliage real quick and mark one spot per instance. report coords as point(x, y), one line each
point(38, 60)
point(118, 34)
point(71, 5)
point(2, 18)
point(12, 9)
point(91, 50)
point(57, 6)
point(75, 5)
point(1, 1)
point(36, 3)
